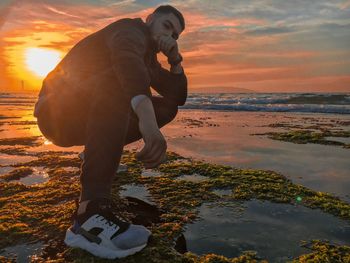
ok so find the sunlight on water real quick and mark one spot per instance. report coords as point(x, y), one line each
point(47, 142)
point(38, 176)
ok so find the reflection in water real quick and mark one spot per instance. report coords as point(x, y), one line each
point(195, 178)
point(6, 169)
point(23, 252)
point(338, 139)
point(38, 176)
point(273, 230)
point(231, 143)
point(223, 192)
point(137, 191)
point(150, 173)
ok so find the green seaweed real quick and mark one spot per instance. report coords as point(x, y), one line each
point(312, 131)
point(323, 251)
point(308, 136)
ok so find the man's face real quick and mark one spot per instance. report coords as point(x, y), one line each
point(164, 25)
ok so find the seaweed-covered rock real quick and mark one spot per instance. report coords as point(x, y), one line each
point(42, 212)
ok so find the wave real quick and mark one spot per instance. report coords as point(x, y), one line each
point(271, 98)
point(264, 102)
point(336, 109)
point(271, 102)
point(14, 96)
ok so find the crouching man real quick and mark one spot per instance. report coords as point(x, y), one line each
point(99, 96)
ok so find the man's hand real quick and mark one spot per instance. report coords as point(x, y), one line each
point(153, 153)
point(169, 47)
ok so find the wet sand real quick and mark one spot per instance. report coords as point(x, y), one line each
point(228, 138)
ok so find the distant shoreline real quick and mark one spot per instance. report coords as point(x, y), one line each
point(207, 92)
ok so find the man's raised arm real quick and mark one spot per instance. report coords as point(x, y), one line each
point(171, 84)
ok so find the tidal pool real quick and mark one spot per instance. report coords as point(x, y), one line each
point(195, 178)
point(138, 191)
point(222, 192)
point(38, 176)
point(24, 252)
point(273, 230)
point(338, 139)
point(150, 173)
point(6, 169)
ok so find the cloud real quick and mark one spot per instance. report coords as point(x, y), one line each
point(269, 31)
point(5, 9)
point(345, 5)
point(60, 12)
point(225, 42)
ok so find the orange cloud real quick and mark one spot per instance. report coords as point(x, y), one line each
point(217, 50)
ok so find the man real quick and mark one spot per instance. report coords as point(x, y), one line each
point(99, 96)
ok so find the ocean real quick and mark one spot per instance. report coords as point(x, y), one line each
point(256, 102)
point(271, 102)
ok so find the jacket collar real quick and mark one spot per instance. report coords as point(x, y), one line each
point(152, 43)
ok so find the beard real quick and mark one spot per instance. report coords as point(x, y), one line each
point(154, 38)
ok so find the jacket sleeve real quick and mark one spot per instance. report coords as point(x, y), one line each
point(128, 48)
point(170, 85)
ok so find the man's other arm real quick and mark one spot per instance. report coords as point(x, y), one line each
point(171, 85)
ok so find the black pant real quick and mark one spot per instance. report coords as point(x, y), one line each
point(104, 126)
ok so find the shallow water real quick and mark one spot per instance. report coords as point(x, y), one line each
point(339, 139)
point(319, 167)
point(222, 192)
point(273, 230)
point(150, 173)
point(23, 252)
point(195, 178)
point(138, 191)
point(6, 169)
point(38, 176)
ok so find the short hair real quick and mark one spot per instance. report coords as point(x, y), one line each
point(167, 9)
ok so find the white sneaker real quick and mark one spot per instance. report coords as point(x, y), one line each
point(103, 234)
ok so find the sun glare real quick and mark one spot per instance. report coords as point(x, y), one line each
point(41, 61)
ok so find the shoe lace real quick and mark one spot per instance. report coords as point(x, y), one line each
point(108, 217)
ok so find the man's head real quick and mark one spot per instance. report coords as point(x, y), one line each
point(165, 21)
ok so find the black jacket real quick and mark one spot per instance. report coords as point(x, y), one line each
point(123, 50)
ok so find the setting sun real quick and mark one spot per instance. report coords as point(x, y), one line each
point(41, 61)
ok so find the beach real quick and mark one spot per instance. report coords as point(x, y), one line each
point(304, 146)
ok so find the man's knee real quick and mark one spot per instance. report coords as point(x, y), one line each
point(52, 131)
point(167, 113)
point(173, 109)
point(44, 126)
point(165, 110)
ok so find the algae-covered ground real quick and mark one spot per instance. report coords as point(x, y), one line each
point(312, 131)
point(42, 212)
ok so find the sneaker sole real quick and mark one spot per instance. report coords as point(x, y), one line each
point(76, 240)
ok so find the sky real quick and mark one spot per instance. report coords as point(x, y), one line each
point(262, 45)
